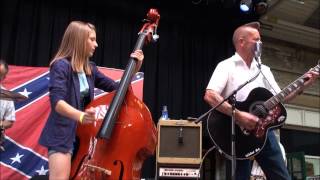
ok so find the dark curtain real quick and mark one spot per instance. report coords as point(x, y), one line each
point(194, 37)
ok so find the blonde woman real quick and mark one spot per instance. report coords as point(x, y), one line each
point(72, 81)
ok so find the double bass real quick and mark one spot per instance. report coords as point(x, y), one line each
point(115, 148)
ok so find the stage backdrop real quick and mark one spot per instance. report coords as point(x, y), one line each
point(23, 157)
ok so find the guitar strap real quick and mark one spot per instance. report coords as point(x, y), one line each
point(266, 80)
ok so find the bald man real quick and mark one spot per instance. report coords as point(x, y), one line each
point(233, 72)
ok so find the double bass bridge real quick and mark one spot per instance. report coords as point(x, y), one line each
point(94, 168)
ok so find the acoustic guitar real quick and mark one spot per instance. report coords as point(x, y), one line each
point(263, 104)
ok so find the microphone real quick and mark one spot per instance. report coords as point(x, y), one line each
point(258, 52)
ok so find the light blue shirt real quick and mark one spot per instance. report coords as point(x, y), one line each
point(84, 87)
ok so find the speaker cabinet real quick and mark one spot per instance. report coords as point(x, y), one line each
point(179, 142)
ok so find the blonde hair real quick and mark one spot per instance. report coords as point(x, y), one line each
point(74, 45)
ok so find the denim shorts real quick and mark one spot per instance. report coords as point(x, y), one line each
point(52, 151)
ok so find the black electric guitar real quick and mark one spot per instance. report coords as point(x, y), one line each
point(266, 106)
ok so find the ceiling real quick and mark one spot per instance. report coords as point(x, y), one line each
point(295, 21)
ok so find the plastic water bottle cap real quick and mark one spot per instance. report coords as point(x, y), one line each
point(164, 108)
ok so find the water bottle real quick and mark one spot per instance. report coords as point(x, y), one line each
point(164, 115)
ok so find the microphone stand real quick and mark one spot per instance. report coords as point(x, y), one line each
point(232, 99)
point(233, 134)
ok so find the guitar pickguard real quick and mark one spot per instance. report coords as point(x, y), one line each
point(273, 117)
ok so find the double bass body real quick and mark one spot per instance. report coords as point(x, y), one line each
point(121, 157)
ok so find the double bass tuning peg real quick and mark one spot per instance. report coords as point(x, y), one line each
point(155, 37)
point(145, 20)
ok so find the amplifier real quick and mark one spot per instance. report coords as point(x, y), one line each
point(179, 142)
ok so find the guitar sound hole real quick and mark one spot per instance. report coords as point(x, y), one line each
point(258, 109)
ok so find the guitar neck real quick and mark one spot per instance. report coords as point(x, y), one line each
point(280, 97)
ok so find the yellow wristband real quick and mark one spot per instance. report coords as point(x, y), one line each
point(81, 117)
